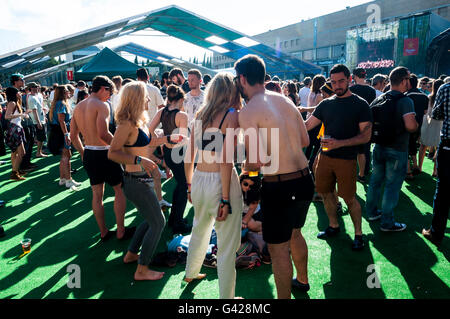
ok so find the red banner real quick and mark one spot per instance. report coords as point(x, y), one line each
point(70, 75)
point(411, 47)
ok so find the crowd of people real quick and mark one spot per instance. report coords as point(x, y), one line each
point(332, 133)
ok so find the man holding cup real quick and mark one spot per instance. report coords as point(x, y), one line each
point(348, 123)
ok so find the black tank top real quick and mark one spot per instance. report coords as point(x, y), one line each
point(168, 120)
point(210, 137)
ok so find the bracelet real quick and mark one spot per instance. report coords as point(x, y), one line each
point(137, 160)
point(227, 203)
point(169, 141)
point(66, 134)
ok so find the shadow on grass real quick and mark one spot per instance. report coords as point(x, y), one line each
point(409, 252)
point(348, 268)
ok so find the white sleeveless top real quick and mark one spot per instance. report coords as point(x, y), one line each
point(17, 120)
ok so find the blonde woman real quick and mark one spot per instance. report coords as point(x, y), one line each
point(59, 139)
point(15, 136)
point(215, 191)
point(131, 146)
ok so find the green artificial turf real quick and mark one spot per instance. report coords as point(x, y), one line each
point(63, 230)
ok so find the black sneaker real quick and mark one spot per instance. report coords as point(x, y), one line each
point(328, 232)
point(298, 285)
point(396, 227)
point(375, 217)
point(210, 261)
point(358, 243)
point(2, 231)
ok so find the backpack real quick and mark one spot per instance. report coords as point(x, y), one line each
point(386, 124)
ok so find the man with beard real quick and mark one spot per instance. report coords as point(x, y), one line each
point(194, 98)
point(287, 186)
point(347, 121)
point(177, 77)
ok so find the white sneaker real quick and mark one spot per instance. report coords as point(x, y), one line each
point(163, 174)
point(71, 182)
point(164, 203)
point(62, 181)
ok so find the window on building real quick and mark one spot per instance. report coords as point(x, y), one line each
point(308, 55)
point(292, 43)
point(298, 54)
point(338, 51)
point(323, 53)
point(297, 42)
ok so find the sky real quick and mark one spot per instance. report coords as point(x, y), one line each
point(25, 23)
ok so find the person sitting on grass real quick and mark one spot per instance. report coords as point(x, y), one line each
point(251, 217)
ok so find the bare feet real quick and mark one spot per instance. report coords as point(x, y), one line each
point(143, 273)
point(130, 258)
point(199, 277)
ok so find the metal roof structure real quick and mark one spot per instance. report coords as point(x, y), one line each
point(171, 20)
point(162, 58)
point(132, 48)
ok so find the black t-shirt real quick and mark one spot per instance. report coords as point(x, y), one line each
point(341, 118)
point(368, 93)
point(185, 86)
point(420, 104)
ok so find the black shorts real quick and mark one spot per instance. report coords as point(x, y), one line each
point(56, 141)
point(41, 135)
point(413, 145)
point(100, 169)
point(284, 206)
point(364, 148)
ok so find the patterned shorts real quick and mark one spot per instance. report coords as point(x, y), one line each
point(14, 136)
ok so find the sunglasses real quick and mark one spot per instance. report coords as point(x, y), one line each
point(246, 184)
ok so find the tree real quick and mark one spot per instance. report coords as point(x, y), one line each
point(136, 60)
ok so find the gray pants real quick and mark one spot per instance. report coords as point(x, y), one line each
point(138, 188)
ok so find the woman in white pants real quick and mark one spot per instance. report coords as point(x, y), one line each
point(214, 187)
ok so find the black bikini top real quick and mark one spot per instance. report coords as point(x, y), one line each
point(210, 137)
point(142, 139)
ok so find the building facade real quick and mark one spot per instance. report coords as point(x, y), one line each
point(357, 34)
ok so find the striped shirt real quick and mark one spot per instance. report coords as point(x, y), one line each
point(441, 109)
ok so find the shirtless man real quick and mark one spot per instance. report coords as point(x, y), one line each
point(287, 187)
point(91, 118)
